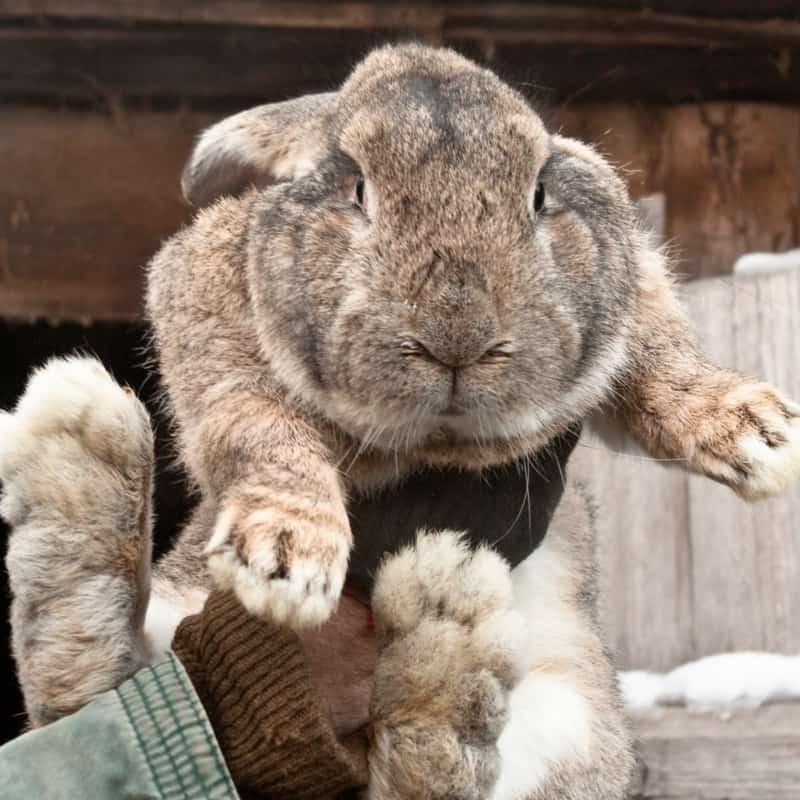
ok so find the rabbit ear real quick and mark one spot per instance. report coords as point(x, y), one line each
point(265, 144)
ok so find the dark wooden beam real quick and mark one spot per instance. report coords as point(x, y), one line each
point(173, 63)
point(229, 66)
point(221, 50)
point(711, 21)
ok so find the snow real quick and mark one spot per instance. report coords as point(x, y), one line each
point(766, 263)
point(721, 684)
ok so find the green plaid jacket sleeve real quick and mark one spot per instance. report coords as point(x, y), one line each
point(150, 738)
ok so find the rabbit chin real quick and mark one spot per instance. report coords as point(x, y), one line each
point(404, 429)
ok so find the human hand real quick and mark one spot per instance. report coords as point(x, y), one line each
point(341, 656)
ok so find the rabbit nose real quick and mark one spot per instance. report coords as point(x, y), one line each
point(456, 341)
point(452, 357)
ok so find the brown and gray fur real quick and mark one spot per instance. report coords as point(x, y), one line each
point(317, 340)
point(520, 700)
point(77, 463)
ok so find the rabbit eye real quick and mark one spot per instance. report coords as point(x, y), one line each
point(538, 197)
point(360, 193)
point(363, 196)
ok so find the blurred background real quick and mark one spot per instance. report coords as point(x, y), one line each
point(699, 102)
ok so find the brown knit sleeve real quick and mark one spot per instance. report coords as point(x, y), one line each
point(266, 712)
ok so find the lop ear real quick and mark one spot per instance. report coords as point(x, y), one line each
point(263, 145)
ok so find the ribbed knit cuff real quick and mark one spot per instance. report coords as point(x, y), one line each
point(266, 712)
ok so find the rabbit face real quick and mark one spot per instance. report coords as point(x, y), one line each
point(436, 261)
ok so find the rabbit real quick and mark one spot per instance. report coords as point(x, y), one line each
point(392, 293)
point(412, 272)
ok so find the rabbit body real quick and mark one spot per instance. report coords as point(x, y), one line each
point(312, 346)
point(422, 275)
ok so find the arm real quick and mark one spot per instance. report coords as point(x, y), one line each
point(282, 538)
point(124, 743)
point(734, 429)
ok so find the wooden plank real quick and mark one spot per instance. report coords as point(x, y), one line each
point(727, 171)
point(726, 603)
point(605, 21)
point(569, 72)
point(84, 202)
point(227, 67)
point(755, 754)
point(746, 559)
point(574, 53)
point(643, 554)
point(686, 568)
point(774, 318)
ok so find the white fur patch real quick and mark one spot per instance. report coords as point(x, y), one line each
point(164, 614)
point(64, 396)
point(541, 585)
point(549, 723)
point(71, 410)
point(773, 468)
point(550, 719)
point(7, 433)
point(298, 600)
point(306, 597)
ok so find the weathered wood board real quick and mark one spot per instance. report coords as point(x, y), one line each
point(728, 172)
point(688, 569)
point(754, 755)
point(84, 202)
point(86, 198)
point(721, 20)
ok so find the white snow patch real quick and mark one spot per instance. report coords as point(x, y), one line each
point(766, 263)
point(721, 684)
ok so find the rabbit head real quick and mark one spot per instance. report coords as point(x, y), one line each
point(424, 255)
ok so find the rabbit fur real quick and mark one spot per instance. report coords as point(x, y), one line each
point(411, 271)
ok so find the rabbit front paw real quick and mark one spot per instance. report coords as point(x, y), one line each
point(751, 441)
point(450, 653)
point(288, 564)
point(76, 463)
point(75, 437)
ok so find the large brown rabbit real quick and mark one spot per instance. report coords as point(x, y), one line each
point(409, 272)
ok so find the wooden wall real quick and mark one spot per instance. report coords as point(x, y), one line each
point(751, 756)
